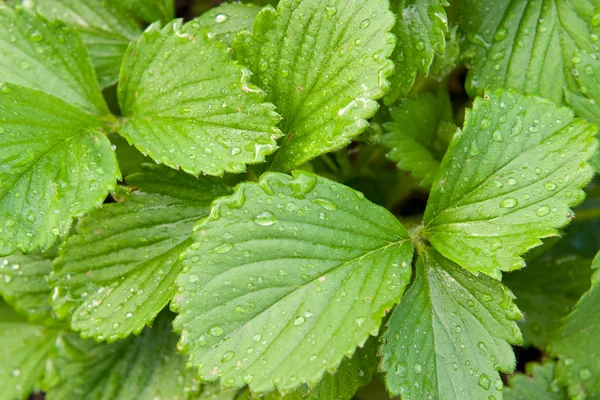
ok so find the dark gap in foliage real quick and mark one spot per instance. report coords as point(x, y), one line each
point(412, 205)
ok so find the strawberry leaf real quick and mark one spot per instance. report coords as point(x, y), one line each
point(323, 66)
point(576, 343)
point(419, 134)
point(450, 334)
point(24, 348)
point(537, 47)
point(55, 163)
point(228, 19)
point(420, 31)
point(507, 180)
point(121, 262)
point(104, 26)
point(188, 105)
point(144, 368)
point(287, 276)
point(49, 57)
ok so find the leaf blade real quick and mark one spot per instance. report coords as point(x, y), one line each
point(214, 132)
point(557, 62)
point(329, 258)
point(447, 326)
point(508, 180)
point(326, 102)
point(48, 57)
point(117, 271)
point(575, 343)
point(57, 163)
point(105, 28)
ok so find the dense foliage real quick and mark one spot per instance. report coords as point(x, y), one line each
point(320, 199)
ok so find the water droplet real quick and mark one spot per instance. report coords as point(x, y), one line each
point(330, 11)
point(298, 321)
point(227, 356)
point(360, 320)
point(485, 123)
point(457, 329)
point(265, 219)
point(418, 368)
point(498, 384)
point(365, 23)
point(219, 18)
point(16, 372)
point(420, 45)
point(482, 347)
point(216, 330)
point(128, 315)
point(223, 248)
point(512, 181)
point(326, 204)
point(115, 325)
point(235, 151)
point(501, 34)
point(509, 202)
point(455, 366)
point(256, 337)
point(193, 278)
point(36, 36)
point(585, 374)
point(497, 136)
point(550, 186)
point(484, 381)
point(542, 211)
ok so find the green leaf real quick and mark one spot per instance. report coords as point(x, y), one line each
point(420, 30)
point(443, 65)
point(450, 334)
point(228, 19)
point(55, 163)
point(151, 10)
point(552, 283)
point(536, 384)
point(546, 48)
point(351, 374)
point(323, 67)
point(507, 180)
point(24, 284)
point(546, 291)
point(118, 269)
point(49, 57)
point(576, 343)
point(24, 348)
point(212, 391)
point(178, 81)
point(142, 368)
point(419, 134)
point(104, 26)
point(287, 276)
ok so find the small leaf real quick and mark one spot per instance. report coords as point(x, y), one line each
point(576, 343)
point(507, 180)
point(104, 26)
point(420, 30)
point(49, 57)
point(546, 48)
point(56, 163)
point(228, 19)
point(142, 368)
point(287, 276)
point(24, 348)
point(151, 10)
point(188, 105)
point(536, 383)
point(450, 334)
point(551, 284)
point(323, 66)
point(118, 269)
point(24, 284)
point(419, 134)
